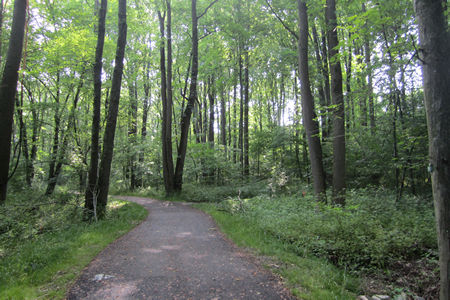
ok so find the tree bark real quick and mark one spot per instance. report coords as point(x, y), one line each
point(246, 115)
point(132, 131)
point(435, 45)
point(1, 28)
point(186, 117)
point(235, 101)
point(223, 121)
point(211, 97)
point(166, 127)
point(241, 113)
point(147, 95)
point(308, 110)
point(367, 54)
point(110, 129)
point(338, 111)
point(91, 189)
point(8, 91)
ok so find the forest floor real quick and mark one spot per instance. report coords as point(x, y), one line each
point(176, 253)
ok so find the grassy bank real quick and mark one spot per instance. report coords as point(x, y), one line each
point(308, 277)
point(44, 245)
point(389, 245)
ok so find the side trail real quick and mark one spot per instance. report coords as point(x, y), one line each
point(176, 253)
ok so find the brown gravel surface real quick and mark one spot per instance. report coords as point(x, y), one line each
point(177, 253)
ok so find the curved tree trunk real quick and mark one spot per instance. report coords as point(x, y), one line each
point(186, 117)
point(8, 91)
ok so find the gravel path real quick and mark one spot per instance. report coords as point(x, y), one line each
point(177, 253)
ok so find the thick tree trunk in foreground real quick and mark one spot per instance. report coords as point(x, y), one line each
point(91, 189)
point(309, 115)
point(186, 117)
point(435, 45)
point(113, 108)
point(338, 111)
point(8, 91)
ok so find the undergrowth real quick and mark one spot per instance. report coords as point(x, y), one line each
point(44, 244)
point(308, 277)
point(372, 236)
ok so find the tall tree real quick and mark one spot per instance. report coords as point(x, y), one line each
point(367, 59)
point(91, 189)
point(113, 108)
point(308, 110)
point(338, 102)
point(186, 117)
point(246, 114)
point(187, 113)
point(435, 45)
point(166, 98)
point(8, 91)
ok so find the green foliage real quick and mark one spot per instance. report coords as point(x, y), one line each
point(372, 235)
point(44, 244)
point(371, 232)
point(307, 277)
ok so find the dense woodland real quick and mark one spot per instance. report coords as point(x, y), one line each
point(317, 100)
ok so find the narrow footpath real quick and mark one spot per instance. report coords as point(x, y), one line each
point(176, 253)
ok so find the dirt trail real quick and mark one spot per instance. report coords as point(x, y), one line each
point(177, 253)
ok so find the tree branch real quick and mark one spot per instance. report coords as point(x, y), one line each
point(206, 9)
point(281, 21)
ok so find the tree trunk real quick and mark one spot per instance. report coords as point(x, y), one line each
point(321, 88)
point(309, 115)
point(367, 53)
point(166, 137)
point(91, 189)
point(145, 109)
point(186, 117)
point(8, 91)
point(246, 115)
point(338, 111)
point(52, 176)
point(326, 76)
point(435, 45)
point(223, 121)
point(349, 115)
point(235, 142)
point(132, 131)
point(1, 28)
point(211, 97)
point(110, 129)
point(241, 114)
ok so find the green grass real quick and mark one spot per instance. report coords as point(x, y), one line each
point(46, 263)
point(308, 277)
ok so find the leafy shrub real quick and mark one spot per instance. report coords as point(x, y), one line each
point(372, 231)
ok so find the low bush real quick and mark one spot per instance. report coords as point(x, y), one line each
point(44, 243)
point(371, 231)
point(372, 235)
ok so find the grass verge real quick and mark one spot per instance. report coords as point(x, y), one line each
point(44, 265)
point(307, 277)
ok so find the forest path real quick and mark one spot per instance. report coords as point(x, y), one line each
point(176, 253)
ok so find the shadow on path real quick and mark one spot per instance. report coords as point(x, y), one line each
point(176, 253)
